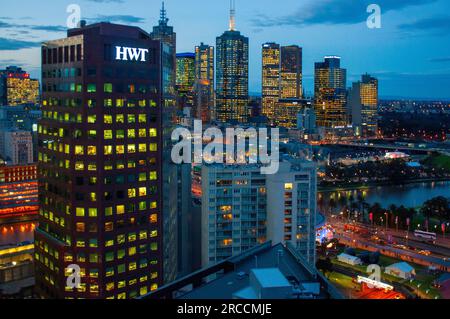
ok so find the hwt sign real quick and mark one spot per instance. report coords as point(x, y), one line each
point(131, 54)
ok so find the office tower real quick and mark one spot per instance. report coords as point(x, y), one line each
point(233, 210)
point(291, 72)
point(287, 111)
point(363, 105)
point(291, 207)
point(271, 54)
point(330, 93)
point(185, 79)
point(100, 163)
point(164, 33)
point(204, 104)
point(306, 120)
point(232, 74)
point(16, 147)
point(17, 88)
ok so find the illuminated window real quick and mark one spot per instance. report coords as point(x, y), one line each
point(120, 118)
point(131, 118)
point(120, 209)
point(153, 132)
point(108, 88)
point(93, 197)
point(153, 147)
point(109, 226)
point(131, 193)
point(153, 205)
point(79, 150)
point(131, 88)
point(110, 286)
point(142, 118)
point(109, 271)
point(153, 234)
point(79, 212)
point(108, 211)
point(288, 186)
point(92, 134)
point(154, 287)
point(107, 119)
point(107, 102)
point(121, 254)
point(91, 88)
point(142, 132)
point(131, 251)
point(92, 119)
point(132, 237)
point(142, 177)
point(131, 148)
point(131, 133)
point(92, 150)
point(120, 134)
point(143, 291)
point(153, 218)
point(79, 166)
point(80, 227)
point(153, 176)
point(108, 150)
point(142, 148)
point(120, 149)
point(107, 134)
point(120, 103)
point(132, 266)
point(121, 239)
point(142, 191)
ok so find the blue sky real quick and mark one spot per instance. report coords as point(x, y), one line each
point(410, 54)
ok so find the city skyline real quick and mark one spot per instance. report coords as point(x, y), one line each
point(416, 66)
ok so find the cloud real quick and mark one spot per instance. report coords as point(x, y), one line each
point(48, 28)
point(438, 60)
point(437, 25)
point(334, 12)
point(12, 44)
point(124, 18)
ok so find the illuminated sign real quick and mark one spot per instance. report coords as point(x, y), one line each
point(131, 54)
point(374, 283)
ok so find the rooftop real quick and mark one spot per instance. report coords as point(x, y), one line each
point(272, 266)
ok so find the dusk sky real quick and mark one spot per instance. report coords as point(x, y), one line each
point(410, 54)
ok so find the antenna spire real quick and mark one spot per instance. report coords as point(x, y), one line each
point(232, 15)
point(163, 16)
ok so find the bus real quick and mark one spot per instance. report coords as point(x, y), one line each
point(425, 235)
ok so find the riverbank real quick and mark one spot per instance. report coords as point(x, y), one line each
point(366, 186)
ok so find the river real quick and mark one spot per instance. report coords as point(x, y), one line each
point(409, 195)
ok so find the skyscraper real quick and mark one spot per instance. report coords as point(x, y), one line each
point(271, 55)
point(363, 105)
point(204, 104)
point(330, 93)
point(232, 74)
point(164, 33)
point(17, 88)
point(291, 72)
point(100, 163)
point(185, 79)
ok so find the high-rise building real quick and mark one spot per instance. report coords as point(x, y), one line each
point(185, 79)
point(271, 58)
point(363, 105)
point(292, 192)
point(232, 74)
point(306, 119)
point(330, 93)
point(100, 163)
point(233, 210)
point(204, 104)
point(242, 208)
point(287, 111)
point(291, 72)
point(17, 88)
point(165, 33)
point(16, 147)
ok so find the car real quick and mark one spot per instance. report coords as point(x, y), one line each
point(425, 252)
